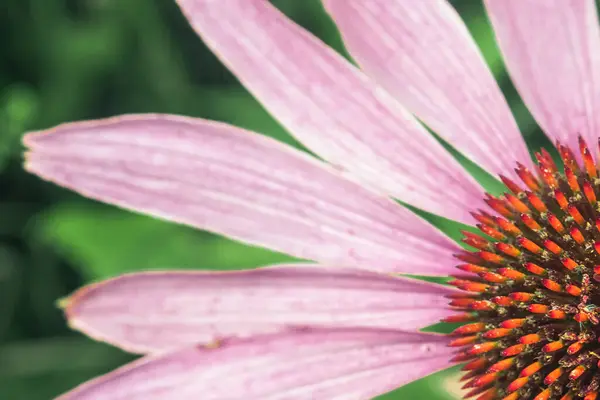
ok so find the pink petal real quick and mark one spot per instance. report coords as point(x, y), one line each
point(332, 107)
point(552, 51)
point(348, 363)
point(236, 183)
point(423, 54)
point(154, 311)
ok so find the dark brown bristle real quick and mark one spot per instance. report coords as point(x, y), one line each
point(532, 286)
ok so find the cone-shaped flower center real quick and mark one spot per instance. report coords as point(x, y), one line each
point(532, 287)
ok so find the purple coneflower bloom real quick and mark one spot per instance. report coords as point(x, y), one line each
point(348, 327)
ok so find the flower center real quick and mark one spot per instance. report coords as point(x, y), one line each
point(532, 288)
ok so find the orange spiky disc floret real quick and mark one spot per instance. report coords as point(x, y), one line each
point(531, 309)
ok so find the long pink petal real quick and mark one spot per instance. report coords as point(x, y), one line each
point(154, 311)
point(300, 364)
point(331, 106)
point(236, 183)
point(423, 54)
point(552, 50)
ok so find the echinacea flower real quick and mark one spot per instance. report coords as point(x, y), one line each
point(349, 326)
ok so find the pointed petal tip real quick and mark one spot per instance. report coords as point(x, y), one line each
point(29, 139)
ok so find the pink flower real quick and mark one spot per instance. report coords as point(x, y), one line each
point(335, 330)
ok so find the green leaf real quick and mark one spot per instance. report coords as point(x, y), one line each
point(104, 242)
point(442, 385)
point(41, 369)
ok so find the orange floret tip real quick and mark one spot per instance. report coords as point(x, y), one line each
point(507, 226)
point(568, 157)
point(529, 245)
point(544, 395)
point(476, 244)
point(511, 273)
point(530, 339)
point(527, 177)
point(577, 235)
point(538, 308)
point(491, 257)
point(588, 190)
point(575, 347)
point(569, 263)
point(475, 365)
point(502, 365)
point(530, 222)
point(574, 212)
point(517, 384)
point(470, 286)
point(476, 269)
point(551, 285)
point(492, 232)
point(572, 180)
point(511, 185)
point(521, 296)
point(552, 246)
point(588, 160)
point(508, 249)
point(548, 160)
point(497, 333)
point(573, 290)
point(553, 346)
point(463, 341)
point(469, 329)
point(503, 301)
point(531, 369)
point(481, 348)
point(482, 305)
point(553, 376)
point(516, 203)
point(493, 277)
point(556, 223)
point(513, 350)
point(576, 372)
point(484, 218)
point(580, 317)
point(513, 323)
point(486, 379)
point(536, 202)
point(548, 176)
point(557, 314)
point(499, 206)
point(534, 268)
point(461, 302)
point(561, 199)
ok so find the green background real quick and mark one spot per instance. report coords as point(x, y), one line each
point(64, 60)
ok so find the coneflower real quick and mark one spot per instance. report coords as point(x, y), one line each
point(527, 295)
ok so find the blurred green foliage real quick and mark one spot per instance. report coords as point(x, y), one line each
point(64, 60)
